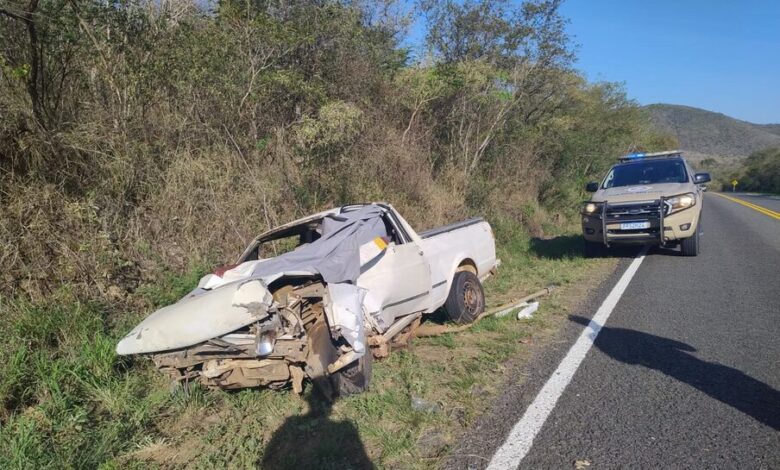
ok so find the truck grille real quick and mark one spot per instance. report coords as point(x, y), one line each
point(638, 211)
point(643, 210)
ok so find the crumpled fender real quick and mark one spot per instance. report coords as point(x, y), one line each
point(195, 319)
point(344, 308)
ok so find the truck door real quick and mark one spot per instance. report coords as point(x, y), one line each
point(399, 283)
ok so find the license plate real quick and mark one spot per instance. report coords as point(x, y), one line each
point(634, 225)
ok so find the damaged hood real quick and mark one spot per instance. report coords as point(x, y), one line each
point(240, 297)
point(195, 319)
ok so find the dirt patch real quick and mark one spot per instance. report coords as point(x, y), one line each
point(183, 439)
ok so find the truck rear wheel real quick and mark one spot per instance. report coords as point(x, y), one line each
point(690, 246)
point(466, 299)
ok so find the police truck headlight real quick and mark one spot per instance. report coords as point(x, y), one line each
point(680, 202)
point(590, 208)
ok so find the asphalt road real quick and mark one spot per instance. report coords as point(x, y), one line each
point(770, 202)
point(684, 374)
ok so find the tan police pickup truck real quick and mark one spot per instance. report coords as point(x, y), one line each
point(646, 198)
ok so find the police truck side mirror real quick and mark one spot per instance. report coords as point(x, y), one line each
point(592, 187)
point(701, 178)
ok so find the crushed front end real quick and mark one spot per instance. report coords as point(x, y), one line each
point(288, 341)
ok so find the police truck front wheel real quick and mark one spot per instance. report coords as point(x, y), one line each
point(690, 246)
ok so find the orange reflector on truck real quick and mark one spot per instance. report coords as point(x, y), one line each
point(372, 249)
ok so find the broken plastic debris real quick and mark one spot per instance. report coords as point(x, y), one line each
point(521, 303)
point(507, 311)
point(527, 310)
point(580, 464)
point(419, 404)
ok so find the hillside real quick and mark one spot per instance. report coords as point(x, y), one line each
point(713, 134)
point(773, 128)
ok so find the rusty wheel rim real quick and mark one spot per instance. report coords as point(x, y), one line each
point(471, 297)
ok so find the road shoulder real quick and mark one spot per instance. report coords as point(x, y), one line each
point(524, 376)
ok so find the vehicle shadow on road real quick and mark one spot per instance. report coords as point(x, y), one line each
point(673, 358)
point(573, 246)
point(665, 250)
point(315, 440)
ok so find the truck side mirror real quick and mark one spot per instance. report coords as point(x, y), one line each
point(700, 178)
point(592, 187)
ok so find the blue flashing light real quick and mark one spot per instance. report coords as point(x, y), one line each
point(634, 156)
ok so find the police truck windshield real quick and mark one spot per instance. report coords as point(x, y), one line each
point(646, 172)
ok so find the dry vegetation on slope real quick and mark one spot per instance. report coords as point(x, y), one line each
point(138, 138)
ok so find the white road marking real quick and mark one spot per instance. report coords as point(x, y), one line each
point(520, 439)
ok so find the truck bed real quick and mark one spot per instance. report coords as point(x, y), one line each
point(448, 228)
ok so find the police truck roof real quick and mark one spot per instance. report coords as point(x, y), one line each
point(643, 156)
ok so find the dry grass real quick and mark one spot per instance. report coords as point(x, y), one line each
point(199, 207)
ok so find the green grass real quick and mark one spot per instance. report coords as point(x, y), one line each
point(69, 401)
point(529, 264)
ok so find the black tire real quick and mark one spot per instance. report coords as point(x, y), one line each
point(594, 249)
point(354, 378)
point(690, 246)
point(466, 299)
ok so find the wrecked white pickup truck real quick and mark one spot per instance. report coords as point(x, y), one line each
point(354, 282)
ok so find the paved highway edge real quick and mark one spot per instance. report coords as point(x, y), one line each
point(520, 438)
point(755, 207)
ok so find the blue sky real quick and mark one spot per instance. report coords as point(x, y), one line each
point(720, 55)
